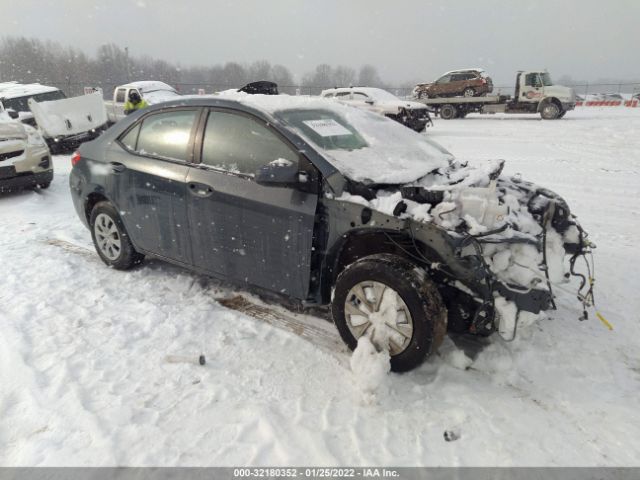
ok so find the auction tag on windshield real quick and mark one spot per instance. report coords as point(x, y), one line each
point(327, 127)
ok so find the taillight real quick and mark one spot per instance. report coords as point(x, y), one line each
point(75, 159)
point(484, 81)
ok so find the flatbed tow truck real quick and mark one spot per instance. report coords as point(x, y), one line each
point(534, 93)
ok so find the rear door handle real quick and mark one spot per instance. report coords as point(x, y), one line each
point(117, 167)
point(200, 190)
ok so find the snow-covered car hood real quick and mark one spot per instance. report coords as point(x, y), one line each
point(11, 129)
point(69, 116)
point(402, 104)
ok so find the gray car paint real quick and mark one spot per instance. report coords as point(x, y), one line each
point(282, 239)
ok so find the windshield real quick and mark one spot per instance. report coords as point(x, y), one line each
point(324, 128)
point(366, 147)
point(20, 104)
point(546, 79)
point(378, 94)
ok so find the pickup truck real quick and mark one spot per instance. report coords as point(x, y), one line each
point(535, 92)
point(153, 92)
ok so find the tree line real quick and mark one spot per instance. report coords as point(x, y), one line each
point(29, 60)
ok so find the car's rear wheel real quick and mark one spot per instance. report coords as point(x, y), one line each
point(388, 299)
point(469, 92)
point(110, 238)
point(447, 112)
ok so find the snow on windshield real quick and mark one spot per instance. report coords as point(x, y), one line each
point(376, 149)
point(380, 95)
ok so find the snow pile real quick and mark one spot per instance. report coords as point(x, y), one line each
point(370, 369)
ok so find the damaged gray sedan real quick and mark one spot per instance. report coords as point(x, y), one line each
point(328, 205)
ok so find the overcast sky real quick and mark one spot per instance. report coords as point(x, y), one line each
point(405, 40)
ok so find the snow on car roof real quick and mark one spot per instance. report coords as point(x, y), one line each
point(464, 70)
point(146, 86)
point(376, 93)
point(393, 154)
point(14, 90)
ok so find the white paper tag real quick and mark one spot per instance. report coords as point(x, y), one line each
point(327, 127)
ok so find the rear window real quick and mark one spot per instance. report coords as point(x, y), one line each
point(120, 95)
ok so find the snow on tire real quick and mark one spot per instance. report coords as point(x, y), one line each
point(395, 304)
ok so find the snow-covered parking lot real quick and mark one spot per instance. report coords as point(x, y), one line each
point(85, 377)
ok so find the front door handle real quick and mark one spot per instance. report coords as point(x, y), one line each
point(117, 167)
point(200, 190)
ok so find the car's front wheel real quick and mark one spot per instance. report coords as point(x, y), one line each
point(110, 238)
point(392, 302)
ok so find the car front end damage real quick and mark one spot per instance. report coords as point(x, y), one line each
point(416, 119)
point(496, 246)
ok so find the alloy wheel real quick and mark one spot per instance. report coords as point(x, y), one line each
point(107, 236)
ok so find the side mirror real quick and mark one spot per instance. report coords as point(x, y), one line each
point(279, 173)
point(369, 101)
point(13, 114)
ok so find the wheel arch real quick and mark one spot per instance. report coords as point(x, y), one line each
point(360, 243)
point(546, 100)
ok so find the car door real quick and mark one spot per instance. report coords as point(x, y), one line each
point(149, 167)
point(457, 84)
point(240, 230)
point(440, 86)
point(362, 100)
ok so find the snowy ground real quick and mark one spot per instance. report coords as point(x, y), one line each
point(84, 378)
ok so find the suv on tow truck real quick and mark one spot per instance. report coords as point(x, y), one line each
point(467, 83)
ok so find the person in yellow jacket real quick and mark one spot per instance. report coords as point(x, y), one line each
point(135, 102)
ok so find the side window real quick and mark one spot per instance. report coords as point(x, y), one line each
point(328, 95)
point(343, 95)
point(360, 96)
point(457, 77)
point(532, 80)
point(130, 139)
point(120, 97)
point(167, 134)
point(444, 79)
point(239, 144)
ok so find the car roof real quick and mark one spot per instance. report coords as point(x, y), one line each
point(370, 90)
point(14, 90)
point(148, 85)
point(464, 70)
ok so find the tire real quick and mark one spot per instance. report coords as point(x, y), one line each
point(562, 114)
point(110, 238)
point(44, 186)
point(395, 282)
point(447, 112)
point(550, 110)
point(469, 92)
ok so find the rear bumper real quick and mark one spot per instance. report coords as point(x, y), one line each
point(25, 180)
